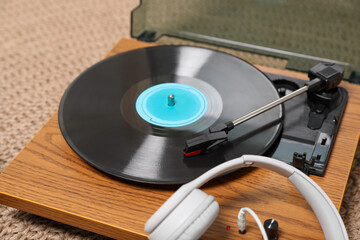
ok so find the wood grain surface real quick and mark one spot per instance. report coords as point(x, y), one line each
point(48, 179)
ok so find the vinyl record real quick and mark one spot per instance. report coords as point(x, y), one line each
point(102, 119)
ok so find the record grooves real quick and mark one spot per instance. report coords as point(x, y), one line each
point(99, 120)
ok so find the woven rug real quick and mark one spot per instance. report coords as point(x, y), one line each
point(44, 45)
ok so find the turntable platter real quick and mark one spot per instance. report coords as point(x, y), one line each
point(99, 120)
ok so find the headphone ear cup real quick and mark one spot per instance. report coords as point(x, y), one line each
point(190, 219)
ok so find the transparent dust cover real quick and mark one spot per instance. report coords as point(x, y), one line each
point(303, 32)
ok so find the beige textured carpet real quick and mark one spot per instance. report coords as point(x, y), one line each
point(44, 45)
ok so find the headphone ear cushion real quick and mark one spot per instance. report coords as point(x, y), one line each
point(202, 223)
point(190, 219)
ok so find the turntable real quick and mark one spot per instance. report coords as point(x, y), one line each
point(128, 148)
point(124, 124)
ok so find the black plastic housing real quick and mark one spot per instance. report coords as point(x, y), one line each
point(297, 137)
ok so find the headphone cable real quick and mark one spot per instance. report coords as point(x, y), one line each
point(242, 221)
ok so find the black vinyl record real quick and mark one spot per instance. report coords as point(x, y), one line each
point(98, 118)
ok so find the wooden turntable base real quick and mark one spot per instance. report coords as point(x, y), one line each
point(48, 179)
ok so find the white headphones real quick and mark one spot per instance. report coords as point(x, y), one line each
point(189, 212)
